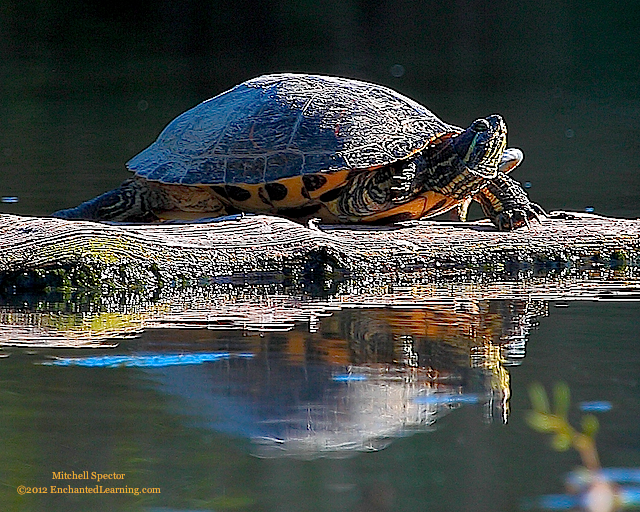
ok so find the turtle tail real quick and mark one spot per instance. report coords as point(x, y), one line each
point(130, 202)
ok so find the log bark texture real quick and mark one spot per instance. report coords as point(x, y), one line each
point(38, 253)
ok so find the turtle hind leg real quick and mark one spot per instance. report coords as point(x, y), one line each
point(506, 203)
point(131, 202)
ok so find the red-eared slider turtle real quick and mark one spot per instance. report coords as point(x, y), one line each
point(303, 146)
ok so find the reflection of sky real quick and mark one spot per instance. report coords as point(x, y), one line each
point(301, 409)
point(282, 407)
point(142, 361)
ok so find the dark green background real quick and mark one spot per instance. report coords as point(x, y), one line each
point(445, 46)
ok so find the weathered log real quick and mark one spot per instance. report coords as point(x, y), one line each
point(45, 253)
point(72, 283)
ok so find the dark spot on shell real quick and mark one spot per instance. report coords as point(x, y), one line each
point(302, 211)
point(305, 193)
point(237, 193)
point(276, 191)
point(332, 194)
point(220, 190)
point(313, 182)
point(263, 196)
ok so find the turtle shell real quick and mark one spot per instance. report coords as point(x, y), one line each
point(280, 126)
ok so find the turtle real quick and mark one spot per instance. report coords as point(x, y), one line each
point(318, 147)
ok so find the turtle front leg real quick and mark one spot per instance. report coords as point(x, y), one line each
point(463, 209)
point(506, 203)
point(511, 158)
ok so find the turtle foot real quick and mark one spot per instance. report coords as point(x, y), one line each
point(506, 203)
point(514, 218)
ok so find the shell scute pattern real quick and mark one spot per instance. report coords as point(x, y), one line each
point(265, 131)
point(281, 165)
point(206, 172)
point(280, 126)
point(245, 170)
point(313, 141)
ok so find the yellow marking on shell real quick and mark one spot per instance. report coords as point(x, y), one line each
point(427, 204)
point(253, 142)
point(413, 210)
point(334, 180)
point(437, 203)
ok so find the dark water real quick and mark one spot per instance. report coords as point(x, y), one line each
point(364, 409)
point(376, 409)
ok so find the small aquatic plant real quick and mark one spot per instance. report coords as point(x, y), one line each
point(590, 488)
point(555, 421)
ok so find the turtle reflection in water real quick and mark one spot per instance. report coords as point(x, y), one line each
point(356, 381)
point(304, 146)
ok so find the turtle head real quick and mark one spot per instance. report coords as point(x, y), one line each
point(480, 147)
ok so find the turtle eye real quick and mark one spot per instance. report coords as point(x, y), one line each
point(480, 125)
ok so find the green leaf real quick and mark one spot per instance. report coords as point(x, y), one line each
point(540, 421)
point(561, 399)
point(590, 425)
point(561, 442)
point(538, 397)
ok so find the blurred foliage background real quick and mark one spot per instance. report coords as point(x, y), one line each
point(86, 85)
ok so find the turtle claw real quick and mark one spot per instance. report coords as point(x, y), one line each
point(535, 212)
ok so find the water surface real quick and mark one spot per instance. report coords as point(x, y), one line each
point(361, 409)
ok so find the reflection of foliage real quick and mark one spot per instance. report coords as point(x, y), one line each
point(543, 419)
